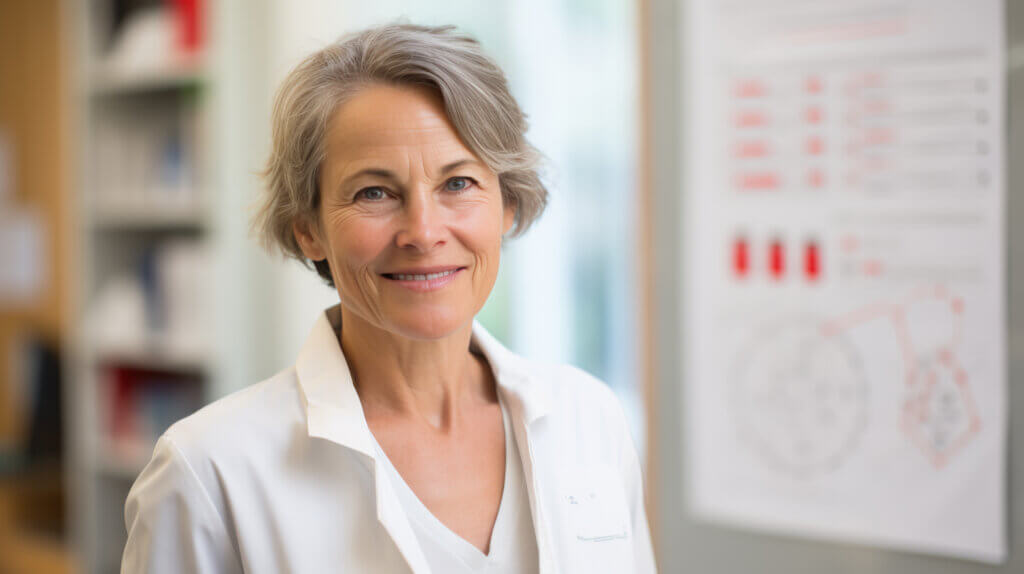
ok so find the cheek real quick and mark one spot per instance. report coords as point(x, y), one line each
point(356, 242)
point(481, 233)
point(481, 227)
point(482, 212)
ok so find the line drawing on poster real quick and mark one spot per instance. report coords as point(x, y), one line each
point(800, 392)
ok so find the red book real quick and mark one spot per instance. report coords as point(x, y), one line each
point(189, 16)
point(123, 422)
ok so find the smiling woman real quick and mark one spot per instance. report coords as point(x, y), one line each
point(405, 438)
point(410, 221)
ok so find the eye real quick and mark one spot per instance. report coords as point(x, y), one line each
point(371, 193)
point(458, 183)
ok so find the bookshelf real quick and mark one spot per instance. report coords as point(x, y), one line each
point(170, 292)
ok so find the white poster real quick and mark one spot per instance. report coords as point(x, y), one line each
point(844, 270)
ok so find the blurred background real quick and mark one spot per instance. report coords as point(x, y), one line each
point(131, 292)
point(131, 134)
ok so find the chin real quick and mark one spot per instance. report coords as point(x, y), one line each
point(429, 325)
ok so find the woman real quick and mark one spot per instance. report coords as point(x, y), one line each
point(405, 438)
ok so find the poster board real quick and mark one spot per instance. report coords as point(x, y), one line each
point(844, 267)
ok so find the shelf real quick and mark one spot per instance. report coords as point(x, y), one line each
point(161, 157)
point(154, 357)
point(169, 216)
point(110, 81)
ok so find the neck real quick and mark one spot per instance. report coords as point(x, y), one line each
point(430, 380)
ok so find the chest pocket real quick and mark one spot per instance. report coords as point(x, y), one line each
point(594, 503)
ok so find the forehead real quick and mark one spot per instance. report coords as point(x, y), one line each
point(384, 119)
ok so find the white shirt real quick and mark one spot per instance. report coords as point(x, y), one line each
point(283, 477)
point(513, 548)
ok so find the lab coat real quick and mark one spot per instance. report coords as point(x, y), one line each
point(281, 477)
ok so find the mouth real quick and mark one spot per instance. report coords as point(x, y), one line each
point(424, 279)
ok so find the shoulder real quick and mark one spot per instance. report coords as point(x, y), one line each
point(232, 435)
point(573, 388)
point(583, 405)
point(241, 428)
point(561, 384)
point(182, 497)
point(265, 407)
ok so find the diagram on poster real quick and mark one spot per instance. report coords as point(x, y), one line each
point(844, 270)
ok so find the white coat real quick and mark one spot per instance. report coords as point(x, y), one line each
point(281, 477)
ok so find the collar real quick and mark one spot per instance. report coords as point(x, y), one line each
point(335, 413)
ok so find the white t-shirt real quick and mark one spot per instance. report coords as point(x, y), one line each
point(513, 548)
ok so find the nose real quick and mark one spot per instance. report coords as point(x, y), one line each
point(423, 223)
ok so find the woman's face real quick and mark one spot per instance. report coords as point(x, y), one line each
point(411, 222)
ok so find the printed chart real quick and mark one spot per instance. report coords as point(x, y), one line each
point(844, 267)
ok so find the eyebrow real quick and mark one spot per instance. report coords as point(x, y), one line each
point(388, 174)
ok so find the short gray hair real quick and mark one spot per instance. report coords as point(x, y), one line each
point(476, 99)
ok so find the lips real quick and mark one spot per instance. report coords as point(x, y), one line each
point(423, 279)
point(413, 276)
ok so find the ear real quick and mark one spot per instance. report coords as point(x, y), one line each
point(308, 238)
point(508, 218)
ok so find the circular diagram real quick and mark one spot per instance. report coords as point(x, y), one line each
point(939, 413)
point(800, 397)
